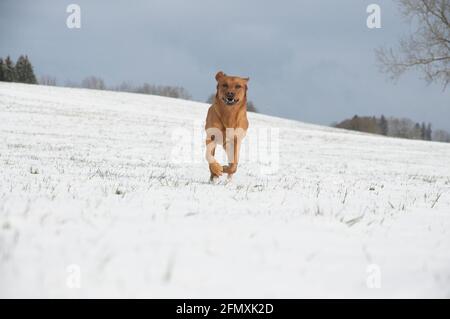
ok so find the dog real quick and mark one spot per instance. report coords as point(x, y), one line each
point(226, 123)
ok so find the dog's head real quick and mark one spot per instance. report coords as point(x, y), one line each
point(231, 90)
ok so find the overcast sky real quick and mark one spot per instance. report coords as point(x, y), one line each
point(307, 60)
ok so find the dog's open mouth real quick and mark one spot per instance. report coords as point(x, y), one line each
point(230, 100)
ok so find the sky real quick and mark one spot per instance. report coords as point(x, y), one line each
point(310, 60)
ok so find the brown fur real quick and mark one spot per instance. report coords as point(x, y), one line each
point(223, 118)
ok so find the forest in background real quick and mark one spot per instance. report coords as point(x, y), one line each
point(394, 127)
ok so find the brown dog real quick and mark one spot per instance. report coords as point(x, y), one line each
point(226, 123)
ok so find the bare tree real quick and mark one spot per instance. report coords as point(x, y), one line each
point(93, 82)
point(441, 136)
point(125, 87)
point(71, 84)
point(427, 49)
point(164, 90)
point(47, 80)
point(403, 128)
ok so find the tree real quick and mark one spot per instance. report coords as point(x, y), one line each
point(31, 77)
point(24, 71)
point(71, 84)
point(423, 131)
point(417, 132)
point(8, 70)
point(164, 90)
point(428, 132)
point(48, 80)
point(383, 125)
point(354, 123)
point(406, 128)
point(394, 127)
point(93, 82)
point(21, 74)
point(1, 69)
point(441, 136)
point(124, 87)
point(427, 49)
point(368, 125)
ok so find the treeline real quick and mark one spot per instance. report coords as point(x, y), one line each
point(394, 127)
point(97, 83)
point(162, 90)
point(21, 71)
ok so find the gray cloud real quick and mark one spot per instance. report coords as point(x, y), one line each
point(308, 60)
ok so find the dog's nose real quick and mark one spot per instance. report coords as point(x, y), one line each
point(230, 94)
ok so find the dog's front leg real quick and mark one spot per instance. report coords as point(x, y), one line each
point(232, 150)
point(215, 168)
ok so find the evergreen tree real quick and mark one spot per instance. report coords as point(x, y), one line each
point(24, 71)
point(383, 125)
point(1, 70)
point(20, 70)
point(417, 132)
point(354, 123)
point(8, 70)
point(31, 76)
point(423, 131)
point(429, 132)
point(403, 128)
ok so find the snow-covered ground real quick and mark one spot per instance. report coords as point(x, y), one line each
point(106, 194)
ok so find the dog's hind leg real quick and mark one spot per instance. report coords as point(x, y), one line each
point(232, 151)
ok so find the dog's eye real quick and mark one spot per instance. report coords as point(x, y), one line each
point(225, 86)
point(238, 86)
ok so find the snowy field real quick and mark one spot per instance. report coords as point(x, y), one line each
point(99, 197)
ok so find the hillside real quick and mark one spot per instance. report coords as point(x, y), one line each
point(99, 197)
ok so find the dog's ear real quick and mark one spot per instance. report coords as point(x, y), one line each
point(246, 79)
point(220, 75)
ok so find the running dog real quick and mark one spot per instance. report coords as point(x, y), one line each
point(226, 123)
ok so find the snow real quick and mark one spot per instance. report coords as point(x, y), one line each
point(106, 194)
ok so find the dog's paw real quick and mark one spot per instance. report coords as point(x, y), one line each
point(216, 169)
point(229, 169)
point(214, 180)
